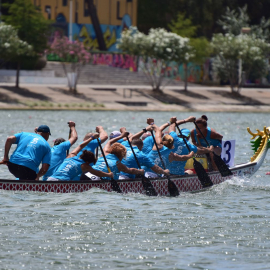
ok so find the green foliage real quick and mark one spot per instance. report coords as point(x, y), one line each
point(229, 49)
point(183, 26)
point(31, 25)
point(11, 46)
point(232, 21)
point(201, 48)
point(156, 49)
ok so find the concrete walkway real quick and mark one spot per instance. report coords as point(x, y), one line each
point(132, 97)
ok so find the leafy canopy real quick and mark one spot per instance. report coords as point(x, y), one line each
point(28, 20)
point(10, 44)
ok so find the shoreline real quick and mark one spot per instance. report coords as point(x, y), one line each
point(133, 98)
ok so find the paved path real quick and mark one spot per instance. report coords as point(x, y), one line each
point(130, 97)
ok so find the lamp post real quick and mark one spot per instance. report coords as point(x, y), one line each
point(244, 30)
point(70, 19)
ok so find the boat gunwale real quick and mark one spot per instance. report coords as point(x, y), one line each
point(186, 176)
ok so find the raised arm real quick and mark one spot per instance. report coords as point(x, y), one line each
point(112, 141)
point(103, 136)
point(73, 135)
point(140, 133)
point(82, 145)
point(158, 137)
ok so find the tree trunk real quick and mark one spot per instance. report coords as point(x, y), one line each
point(18, 74)
point(186, 76)
point(96, 25)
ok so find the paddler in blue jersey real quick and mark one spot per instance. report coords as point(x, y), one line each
point(165, 146)
point(213, 138)
point(144, 161)
point(114, 152)
point(180, 148)
point(92, 145)
point(32, 149)
point(74, 165)
point(59, 150)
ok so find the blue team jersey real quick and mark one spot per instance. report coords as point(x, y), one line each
point(32, 149)
point(59, 153)
point(112, 162)
point(130, 160)
point(178, 167)
point(89, 147)
point(148, 144)
point(69, 169)
point(164, 152)
point(213, 142)
point(125, 143)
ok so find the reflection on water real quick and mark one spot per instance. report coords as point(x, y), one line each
point(224, 227)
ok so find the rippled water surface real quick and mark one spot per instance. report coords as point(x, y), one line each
point(226, 227)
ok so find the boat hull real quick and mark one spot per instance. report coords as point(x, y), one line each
point(185, 183)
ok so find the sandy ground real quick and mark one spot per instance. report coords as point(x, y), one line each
point(128, 97)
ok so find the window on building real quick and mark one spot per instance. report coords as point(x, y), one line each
point(64, 3)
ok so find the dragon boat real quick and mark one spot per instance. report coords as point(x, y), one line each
point(187, 183)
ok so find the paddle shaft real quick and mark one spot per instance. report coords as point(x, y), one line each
point(220, 163)
point(162, 161)
point(137, 161)
point(201, 173)
point(171, 185)
point(114, 184)
point(202, 134)
point(97, 153)
point(69, 135)
point(184, 139)
point(147, 185)
point(108, 168)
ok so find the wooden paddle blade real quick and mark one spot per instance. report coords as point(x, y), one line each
point(222, 166)
point(115, 186)
point(173, 190)
point(202, 175)
point(148, 187)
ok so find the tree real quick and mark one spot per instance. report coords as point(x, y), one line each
point(200, 46)
point(71, 54)
point(11, 46)
point(229, 49)
point(155, 50)
point(253, 51)
point(31, 25)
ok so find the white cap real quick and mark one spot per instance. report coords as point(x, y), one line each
point(115, 134)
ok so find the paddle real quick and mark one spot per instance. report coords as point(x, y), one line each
point(114, 184)
point(173, 190)
point(147, 185)
point(221, 165)
point(69, 135)
point(201, 173)
point(96, 153)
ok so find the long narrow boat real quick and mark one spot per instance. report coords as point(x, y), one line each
point(184, 183)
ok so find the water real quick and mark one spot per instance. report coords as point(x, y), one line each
point(226, 227)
